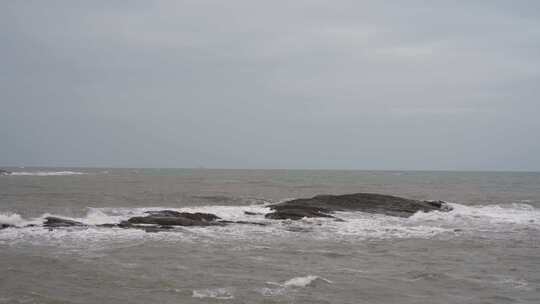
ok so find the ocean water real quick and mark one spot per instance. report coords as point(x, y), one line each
point(487, 250)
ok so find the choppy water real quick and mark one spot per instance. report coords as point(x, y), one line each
point(487, 250)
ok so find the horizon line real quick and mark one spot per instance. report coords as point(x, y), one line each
point(273, 169)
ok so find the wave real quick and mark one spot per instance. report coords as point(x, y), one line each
point(493, 221)
point(296, 282)
point(305, 281)
point(491, 215)
point(12, 219)
point(214, 293)
point(46, 173)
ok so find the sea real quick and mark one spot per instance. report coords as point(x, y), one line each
point(487, 250)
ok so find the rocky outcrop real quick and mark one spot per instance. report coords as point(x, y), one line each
point(4, 226)
point(324, 205)
point(154, 221)
point(174, 218)
point(297, 212)
point(320, 206)
point(56, 222)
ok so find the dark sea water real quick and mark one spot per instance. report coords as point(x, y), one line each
point(487, 250)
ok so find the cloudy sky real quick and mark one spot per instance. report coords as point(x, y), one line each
point(271, 84)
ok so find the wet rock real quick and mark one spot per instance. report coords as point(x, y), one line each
point(297, 212)
point(4, 226)
point(173, 218)
point(4, 172)
point(323, 205)
point(55, 222)
point(163, 213)
point(197, 216)
point(244, 223)
point(251, 213)
point(154, 229)
point(146, 228)
point(107, 225)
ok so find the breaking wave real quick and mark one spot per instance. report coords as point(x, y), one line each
point(214, 293)
point(305, 281)
point(278, 289)
point(12, 219)
point(497, 221)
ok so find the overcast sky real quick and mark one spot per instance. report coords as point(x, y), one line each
point(271, 84)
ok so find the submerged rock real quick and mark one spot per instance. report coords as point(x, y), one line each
point(323, 205)
point(55, 222)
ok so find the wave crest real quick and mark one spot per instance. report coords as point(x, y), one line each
point(305, 281)
point(214, 293)
point(498, 221)
point(46, 173)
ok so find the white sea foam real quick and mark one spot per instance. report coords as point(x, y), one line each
point(97, 216)
point(215, 293)
point(13, 219)
point(490, 215)
point(305, 281)
point(46, 173)
point(503, 220)
point(279, 289)
point(514, 283)
point(271, 292)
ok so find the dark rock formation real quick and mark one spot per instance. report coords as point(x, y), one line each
point(297, 212)
point(4, 172)
point(163, 213)
point(108, 225)
point(174, 218)
point(322, 205)
point(317, 206)
point(155, 221)
point(4, 226)
point(56, 222)
point(244, 223)
point(252, 213)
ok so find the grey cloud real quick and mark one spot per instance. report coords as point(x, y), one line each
point(286, 84)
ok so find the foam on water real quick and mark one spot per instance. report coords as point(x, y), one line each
point(46, 173)
point(488, 219)
point(214, 293)
point(12, 219)
point(279, 289)
point(490, 215)
point(304, 281)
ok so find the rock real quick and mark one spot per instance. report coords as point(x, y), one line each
point(197, 216)
point(4, 172)
point(146, 228)
point(4, 226)
point(107, 225)
point(154, 229)
point(55, 222)
point(173, 218)
point(322, 205)
point(251, 213)
point(244, 223)
point(297, 212)
point(163, 213)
